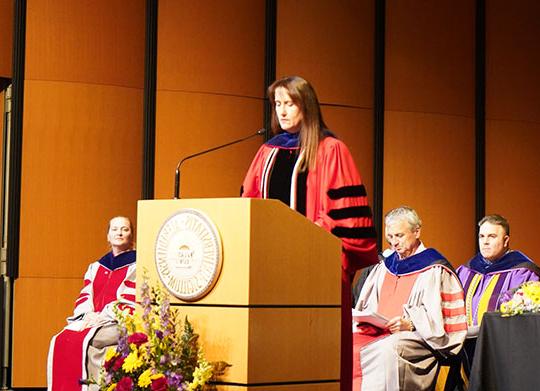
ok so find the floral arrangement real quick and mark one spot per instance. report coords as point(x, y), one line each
point(156, 351)
point(524, 299)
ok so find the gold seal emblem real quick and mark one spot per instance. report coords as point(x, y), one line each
point(188, 254)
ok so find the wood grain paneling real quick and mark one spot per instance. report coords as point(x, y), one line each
point(429, 165)
point(99, 42)
point(81, 156)
point(6, 37)
point(210, 81)
point(513, 60)
point(81, 165)
point(430, 56)
point(35, 324)
point(429, 125)
point(513, 118)
point(252, 266)
point(254, 341)
point(330, 44)
point(512, 184)
point(211, 46)
point(187, 123)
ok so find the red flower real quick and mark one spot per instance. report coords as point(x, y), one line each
point(125, 384)
point(108, 364)
point(138, 338)
point(118, 363)
point(159, 384)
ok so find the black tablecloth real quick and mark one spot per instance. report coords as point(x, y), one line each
point(507, 355)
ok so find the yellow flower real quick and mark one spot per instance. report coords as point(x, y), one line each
point(201, 375)
point(111, 352)
point(157, 376)
point(138, 324)
point(132, 362)
point(532, 290)
point(142, 353)
point(145, 378)
point(111, 387)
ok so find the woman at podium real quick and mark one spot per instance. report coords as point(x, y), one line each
point(307, 167)
point(77, 351)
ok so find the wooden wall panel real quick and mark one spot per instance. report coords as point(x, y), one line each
point(99, 42)
point(513, 118)
point(331, 45)
point(430, 56)
point(188, 123)
point(513, 60)
point(211, 46)
point(81, 165)
point(432, 172)
point(429, 126)
point(512, 182)
point(6, 37)
point(210, 84)
point(81, 157)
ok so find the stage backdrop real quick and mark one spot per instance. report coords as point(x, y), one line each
point(81, 158)
point(83, 120)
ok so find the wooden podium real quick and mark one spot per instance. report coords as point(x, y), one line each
point(274, 312)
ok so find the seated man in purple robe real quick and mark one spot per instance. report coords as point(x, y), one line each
point(491, 273)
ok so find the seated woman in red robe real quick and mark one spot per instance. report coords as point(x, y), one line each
point(78, 350)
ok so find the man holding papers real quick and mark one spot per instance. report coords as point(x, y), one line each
point(416, 289)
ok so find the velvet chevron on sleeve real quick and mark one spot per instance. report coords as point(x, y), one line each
point(333, 197)
point(342, 205)
point(108, 283)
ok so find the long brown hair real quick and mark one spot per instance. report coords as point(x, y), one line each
point(311, 132)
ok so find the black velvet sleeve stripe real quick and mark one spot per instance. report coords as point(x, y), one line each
point(355, 233)
point(353, 211)
point(347, 191)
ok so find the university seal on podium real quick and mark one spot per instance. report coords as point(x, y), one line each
point(188, 254)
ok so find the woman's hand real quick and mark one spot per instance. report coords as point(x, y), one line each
point(93, 319)
point(90, 319)
point(399, 324)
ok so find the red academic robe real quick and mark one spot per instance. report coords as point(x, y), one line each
point(336, 200)
point(103, 289)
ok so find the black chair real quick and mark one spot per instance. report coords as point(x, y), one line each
point(454, 380)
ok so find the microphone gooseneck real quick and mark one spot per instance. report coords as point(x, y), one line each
point(260, 132)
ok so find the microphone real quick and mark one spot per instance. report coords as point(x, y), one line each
point(260, 132)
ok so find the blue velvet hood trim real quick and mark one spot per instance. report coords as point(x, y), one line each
point(291, 140)
point(285, 140)
point(507, 261)
point(413, 263)
point(112, 263)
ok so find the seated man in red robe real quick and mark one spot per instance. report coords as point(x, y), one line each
point(77, 352)
point(416, 290)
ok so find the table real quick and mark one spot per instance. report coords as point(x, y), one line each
point(507, 355)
